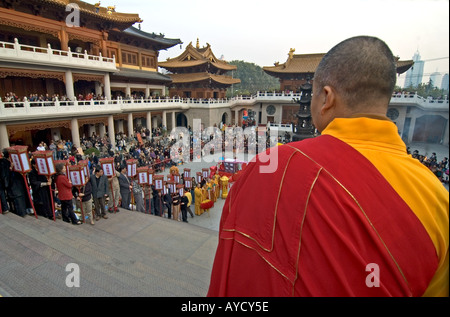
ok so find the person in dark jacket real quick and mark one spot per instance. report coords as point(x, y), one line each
point(42, 192)
point(17, 192)
point(167, 199)
point(99, 183)
point(5, 167)
point(158, 202)
point(184, 207)
point(125, 188)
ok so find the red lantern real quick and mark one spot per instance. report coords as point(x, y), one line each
point(44, 162)
point(46, 166)
point(85, 165)
point(172, 186)
point(187, 173)
point(176, 178)
point(76, 175)
point(19, 157)
point(131, 167)
point(180, 189)
point(151, 173)
point(108, 166)
point(158, 180)
point(65, 162)
point(188, 183)
point(21, 164)
point(142, 173)
point(199, 177)
point(205, 172)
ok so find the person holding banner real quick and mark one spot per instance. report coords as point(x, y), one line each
point(17, 192)
point(42, 192)
point(5, 166)
point(85, 196)
point(64, 186)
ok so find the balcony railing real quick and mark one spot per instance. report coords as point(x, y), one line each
point(16, 110)
point(16, 52)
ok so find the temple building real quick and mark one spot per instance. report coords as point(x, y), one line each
point(298, 68)
point(295, 72)
point(77, 51)
point(198, 73)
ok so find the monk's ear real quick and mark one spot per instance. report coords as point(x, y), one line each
point(329, 100)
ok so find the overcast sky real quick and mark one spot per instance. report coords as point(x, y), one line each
point(263, 31)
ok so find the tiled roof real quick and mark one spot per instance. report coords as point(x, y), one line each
point(196, 56)
point(197, 77)
point(90, 9)
point(139, 74)
point(304, 63)
point(403, 66)
point(160, 39)
point(307, 63)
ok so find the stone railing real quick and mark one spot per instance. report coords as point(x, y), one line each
point(19, 53)
point(425, 103)
point(14, 111)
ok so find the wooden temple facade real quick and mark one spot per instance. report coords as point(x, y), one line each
point(198, 73)
point(97, 51)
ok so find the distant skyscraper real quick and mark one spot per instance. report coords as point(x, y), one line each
point(444, 84)
point(415, 73)
point(436, 79)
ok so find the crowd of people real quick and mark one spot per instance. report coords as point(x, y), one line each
point(439, 168)
point(102, 194)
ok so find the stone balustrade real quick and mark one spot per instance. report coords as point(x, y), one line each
point(19, 53)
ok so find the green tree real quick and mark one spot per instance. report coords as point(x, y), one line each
point(425, 90)
point(253, 79)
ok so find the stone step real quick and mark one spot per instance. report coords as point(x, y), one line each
point(129, 254)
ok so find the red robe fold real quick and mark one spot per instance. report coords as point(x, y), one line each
point(317, 227)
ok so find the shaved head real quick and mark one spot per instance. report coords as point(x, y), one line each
point(361, 69)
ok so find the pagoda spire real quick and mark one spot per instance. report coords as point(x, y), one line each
point(198, 43)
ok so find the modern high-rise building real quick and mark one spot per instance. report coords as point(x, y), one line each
point(444, 83)
point(436, 79)
point(415, 74)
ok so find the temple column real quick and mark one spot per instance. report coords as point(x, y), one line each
point(92, 130)
point(64, 40)
point(147, 92)
point(4, 139)
point(70, 93)
point(75, 132)
point(236, 117)
point(102, 130)
point(130, 124)
point(98, 89)
point(174, 123)
point(111, 132)
point(149, 122)
point(120, 125)
point(164, 119)
point(107, 87)
point(412, 126)
point(445, 140)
